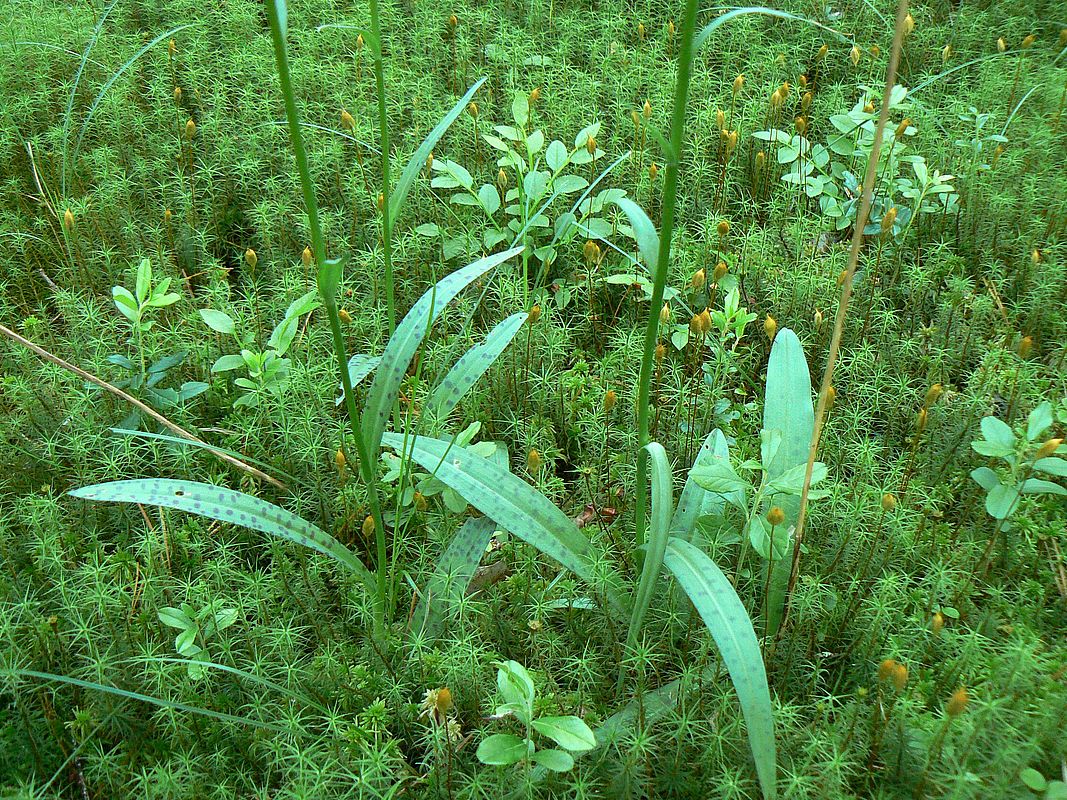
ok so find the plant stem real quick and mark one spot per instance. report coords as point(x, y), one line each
point(329, 302)
point(846, 287)
point(670, 194)
point(383, 134)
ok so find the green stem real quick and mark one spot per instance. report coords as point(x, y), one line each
point(670, 194)
point(383, 133)
point(329, 302)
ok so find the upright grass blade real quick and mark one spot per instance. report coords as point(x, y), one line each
point(659, 530)
point(512, 503)
point(226, 505)
point(473, 364)
point(74, 93)
point(706, 32)
point(145, 698)
point(110, 82)
point(695, 500)
point(787, 409)
point(454, 571)
point(730, 627)
point(406, 339)
point(417, 163)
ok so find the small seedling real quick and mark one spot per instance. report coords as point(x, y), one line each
point(196, 629)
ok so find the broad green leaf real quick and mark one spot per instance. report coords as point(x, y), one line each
point(1002, 500)
point(644, 232)
point(985, 447)
point(718, 476)
point(175, 618)
point(1039, 486)
point(787, 409)
point(1038, 421)
point(555, 760)
point(985, 477)
point(125, 303)
point(730, 627)
point(502, 749)
point(406, 340)
point(695, 501)
point(512, 503)
point(556, 155)
point(998, 433)
point(1052, 466)
point(515, 684)
point(227, 363)
point(658, 532)
point(417, 163)
point(570, 733)
point(489, 198)
point(217, 321)
point(473, 364)
point(455, 567)
point(226, 505)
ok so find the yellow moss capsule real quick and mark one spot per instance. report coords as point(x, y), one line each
point(937, 623)
point(720, 272)
point(251, 258)
point(670, 28)
point(359, 42)
point(646, 110)
point(805, 102)
point(345, 317)
point(889, 501)
point(1028, 42)
point(533, 461)
point(641, 31)
point(899, 677)
point(177, 94)
point(695, 325)
point(932, 394)
point(902, 128)
point(886, 669)
point(770, 327)
point(591, 253)
point(665, 314)
point(720, 119)
point(429, 163)
point(609, 400)
point(444, 700)
point(535, 314)
point(698, 279)
point(348, 122)
point(841, 277)
point(705, 320)
point(305, 257)
point(420, 501)
point(68, 220)
point(801, 125)
point(1048, 448)
point(635, 118)
point(775, 516)
point(661, 353)
point(831, 397)
point(957, 704)
point(909, 25)
point(172, 48)
point(1026, 344)
point(739, 83)
point(869, 107)
point(190, 129)
point(875, 51)
point(368, 527)
point(590, 145)
point(731, 142)
point(381, 202)
point(921, 420)
point(167, 216)
point(1001, 45)
point(888, 220)
point(653, 171)
point(854, 55)
point(822, 52)
point(761, 160)
point(472, 109)
point(1035, 256)
point(339, 460)
point(776, 100)
point(501, 179)
point(946, 53)
point(535, 95)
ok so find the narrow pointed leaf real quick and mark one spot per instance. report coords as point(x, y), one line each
point(658, 532)
point(407, 338)
point(731, 628)
point(788, 410)
point(453, 573)
point(511, 502)
point(705, 33)
point(473, 364)
point(226, 505)
point(695, 501)
point(644, 232)
point(417, 163)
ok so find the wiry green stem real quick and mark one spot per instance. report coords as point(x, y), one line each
point(383, 133)
point(329, 302)
point(670, 195)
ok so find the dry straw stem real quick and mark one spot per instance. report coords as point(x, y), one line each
point(846, 285)
point(144, 409)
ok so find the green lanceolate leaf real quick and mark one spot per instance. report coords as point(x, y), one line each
point(644, 232)
point(453, 573)
point(695, 501)
point(788, 410)
point(658, 532)
point(570, 733)
point(731, 628)
point(407, 338)
point(473, 364)
point(418, 160)
point(511, 502)
point(226, 505)
point(502, 749)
